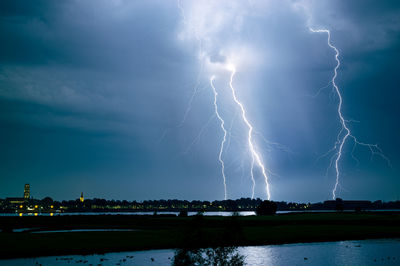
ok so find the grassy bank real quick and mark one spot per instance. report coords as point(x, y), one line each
point(155, 232)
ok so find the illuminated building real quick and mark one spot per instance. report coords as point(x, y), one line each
point(81, 199)
point(15, 201)
point(18, 202)
point(27, 192)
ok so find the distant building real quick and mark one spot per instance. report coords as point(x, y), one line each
point(81, 198)
point(27, 192)
point(13, 201)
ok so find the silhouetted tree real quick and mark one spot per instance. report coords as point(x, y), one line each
point(266, 208)
point(219, 256)
point(46, 202)
point(339, 205)
point(183, 213)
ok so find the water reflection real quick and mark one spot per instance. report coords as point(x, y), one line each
point(208, 256)
point(364, 252)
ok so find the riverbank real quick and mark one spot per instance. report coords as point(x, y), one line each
point(163, 232)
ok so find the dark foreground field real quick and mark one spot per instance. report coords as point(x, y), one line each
point(156, 232)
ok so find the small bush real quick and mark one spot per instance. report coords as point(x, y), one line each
point(183, 213)
point(266, 208)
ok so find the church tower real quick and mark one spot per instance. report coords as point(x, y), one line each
point(27, 192)
point(81, 198)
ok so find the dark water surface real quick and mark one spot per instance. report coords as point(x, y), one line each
point(363, 252)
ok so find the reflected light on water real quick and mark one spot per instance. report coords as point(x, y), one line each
point(363, 252)
point(259, 255)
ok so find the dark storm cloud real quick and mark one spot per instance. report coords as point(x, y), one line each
point(92, 60)
point(365, 25)
point(26, 36)
point(87, 89)
point(72, 33)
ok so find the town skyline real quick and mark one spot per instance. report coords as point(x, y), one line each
point(29, 205)
point(82, 196)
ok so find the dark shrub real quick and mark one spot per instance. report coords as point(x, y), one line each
point(208, 256)
point(266, 208)
point(183, 213)
point(339, 205)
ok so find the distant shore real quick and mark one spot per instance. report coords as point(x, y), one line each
point(81, 205)
point(176, 213)
point(136, 232)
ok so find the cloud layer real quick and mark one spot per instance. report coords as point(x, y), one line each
point(92, 99)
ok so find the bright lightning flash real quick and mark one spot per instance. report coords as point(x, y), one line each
point(221, 150)
point(341, 139)
point(256, 158)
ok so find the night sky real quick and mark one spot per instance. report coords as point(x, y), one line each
point(97, 96)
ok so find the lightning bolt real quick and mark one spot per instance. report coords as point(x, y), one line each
point(345, 132)
point(197, 85)
point(221, 150)
point(201, 131)
point(195, 92)
point(256, 158)
point(192, 97)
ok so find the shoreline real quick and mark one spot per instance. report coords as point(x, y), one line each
point(173, 211)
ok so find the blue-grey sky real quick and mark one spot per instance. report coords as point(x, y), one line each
point(98, 96)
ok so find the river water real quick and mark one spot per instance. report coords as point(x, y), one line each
point(363, 252)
